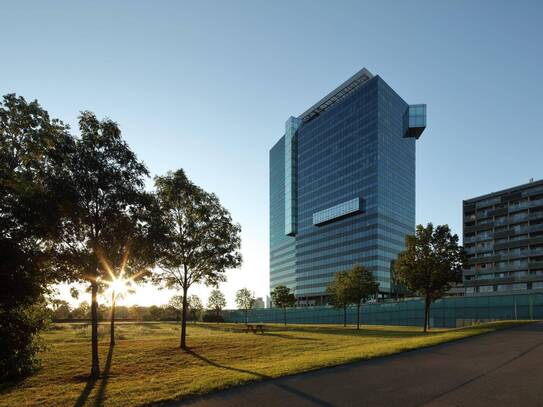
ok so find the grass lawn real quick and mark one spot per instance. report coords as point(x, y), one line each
point(147, 366)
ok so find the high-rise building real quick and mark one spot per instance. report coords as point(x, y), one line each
point(503, 237)
point(259, 303)
point(342, 187)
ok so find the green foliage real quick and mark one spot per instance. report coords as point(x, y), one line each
point(82, 311)
point(104, 186)
point(245, 299)
point(33, 148)
point(354, 286)
point(336, 290)
point(431, 262)
point(359, 285)
point(282, 297)
point(19, 342)
point(199, 241)
point(176, 301)
point(212, 316)
point(216, 301)
point(60, 309)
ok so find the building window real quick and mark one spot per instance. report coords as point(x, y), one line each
point(486, 289)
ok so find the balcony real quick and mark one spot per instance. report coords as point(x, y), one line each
point(534, 265)
point(498, 212)
point(536, 228)
point(538, 202)
point(478, 228)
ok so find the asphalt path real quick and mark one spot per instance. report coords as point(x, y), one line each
point(503, 368)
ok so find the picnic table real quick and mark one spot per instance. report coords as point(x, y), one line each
point(254, 328)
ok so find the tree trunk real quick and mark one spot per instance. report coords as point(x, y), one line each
point(246, 316)
point(285, 315)
point(183, 344)
point(218, 315)
point(426, 312)
point(344, 316)
point(358, 316)
point(112, 324)
point(95, 369)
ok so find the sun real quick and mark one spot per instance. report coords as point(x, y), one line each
point(119, 285)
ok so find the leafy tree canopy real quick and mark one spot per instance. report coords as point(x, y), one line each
point(216, 300)
point(431, 262)
point(33, 148)
point(359, 285)
point(245, 299)
point(199, 241)
point(336, 290)
point(282, 297)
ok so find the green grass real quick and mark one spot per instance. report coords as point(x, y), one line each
point(146, 365)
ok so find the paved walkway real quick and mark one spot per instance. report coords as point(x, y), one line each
point(504, 368)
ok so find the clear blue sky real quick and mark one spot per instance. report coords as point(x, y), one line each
point(207, 86)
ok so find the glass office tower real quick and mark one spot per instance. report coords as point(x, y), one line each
point(503, 237)
point(342, 187)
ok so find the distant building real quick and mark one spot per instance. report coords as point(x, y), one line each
point(268, 301)
point(342, 187)
point(503, 237)
point(259, 303)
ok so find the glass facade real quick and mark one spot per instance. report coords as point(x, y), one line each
point(291, 126)
point(352, 190)
point(503, 238)
point(343, 209)
point(282, 247)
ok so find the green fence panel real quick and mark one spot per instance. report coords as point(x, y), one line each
point(445, 313)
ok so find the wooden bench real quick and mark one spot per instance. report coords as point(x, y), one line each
point(254, 328)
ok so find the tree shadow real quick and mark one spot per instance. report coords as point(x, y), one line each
point(81, 400)
point(101, 392)
point(363, 331)
point(100, 395)
point(292, 337)
point(261, 376)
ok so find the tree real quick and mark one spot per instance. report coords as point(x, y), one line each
point(60, 309)
point(176, 302)
point(196, 307)
point(216, 302)
point(105, 188)
point(283, 298)
point(337, 294)
point(431, 262)
point(130, 252)
point(120, 288)
point(359, 285)
point(200, 241)
point(82, 311)
point(245, 300)
point(33, 148)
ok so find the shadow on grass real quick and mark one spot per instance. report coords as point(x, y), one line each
point(328, 330)
point(261, 376)
point(273, 334)
point(352, 331)
point(101, 392)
